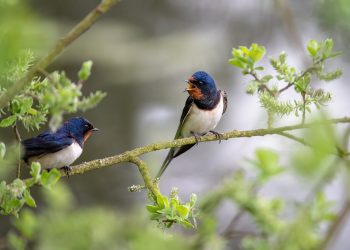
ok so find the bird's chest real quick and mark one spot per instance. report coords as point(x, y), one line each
point(64, 157)
point(202, 121)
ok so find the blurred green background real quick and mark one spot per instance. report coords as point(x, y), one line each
point(142, 53)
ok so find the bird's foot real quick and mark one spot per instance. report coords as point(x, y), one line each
point(218, 135)
point(196, 136)
point(67, 170)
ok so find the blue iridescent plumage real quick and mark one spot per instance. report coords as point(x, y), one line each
point(60, 148)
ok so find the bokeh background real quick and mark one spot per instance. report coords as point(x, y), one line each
point(142, 53)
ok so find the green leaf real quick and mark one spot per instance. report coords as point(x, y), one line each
point(2, 150)
point(162, 201)
point(237, 53)
point(259, 68)
point(327, 47)
point(236, 62)
point(48, 179)
point(9, 121)
point(267, 78)
point(24, 104)
point(85, 71)
point(152, 209)
point(35, 170)
point(257, 52)
point(244, 49)
point(252, 87)
point(193, 200)
point(186, 223)
point(268, 163)
point(174, 203)
point(183, 211)
point(29, 199)
point(313, 47)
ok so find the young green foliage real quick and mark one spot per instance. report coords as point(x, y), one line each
point(168, 211)
point(55, 95)
point(106, 228)
point(269, 93)
point(15, 195)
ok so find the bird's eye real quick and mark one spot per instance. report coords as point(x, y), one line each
point(201, 83)
point(86, 125)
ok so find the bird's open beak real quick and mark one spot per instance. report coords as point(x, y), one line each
point(190, 85)
point(95, 129)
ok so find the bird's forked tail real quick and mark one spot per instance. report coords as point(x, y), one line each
point(166, 162)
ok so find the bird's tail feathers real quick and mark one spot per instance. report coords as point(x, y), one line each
point(166, 162)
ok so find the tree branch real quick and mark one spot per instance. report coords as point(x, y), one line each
point(294, 138)
point(336, 226)
point(63, 43)
point(146, 176)
point(129, 156)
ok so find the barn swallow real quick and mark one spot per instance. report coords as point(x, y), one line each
point(61, 148)
point(202, 112)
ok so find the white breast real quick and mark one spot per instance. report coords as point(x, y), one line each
point(202, 121)
point(64, 157)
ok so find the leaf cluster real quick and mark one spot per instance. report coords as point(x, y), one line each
point(105, 228)
point(15, 195)
point(54, 95)
point(269, 87)
point(168, 211)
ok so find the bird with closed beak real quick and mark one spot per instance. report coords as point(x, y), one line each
point(61, 148)
point(202, 112)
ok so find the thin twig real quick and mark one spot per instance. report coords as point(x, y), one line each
point(341, 217)
point(263, 86)
point(335, 227)
point(230, 229)
point(286, 87)
point(290, 84)
point(61, 45)
point(308, 201)
point(304, 107)
point(294, 138)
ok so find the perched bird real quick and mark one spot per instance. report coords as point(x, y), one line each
point(202, 112)
point(61, 148)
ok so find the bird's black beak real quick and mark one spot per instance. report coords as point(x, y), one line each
point(95, 129)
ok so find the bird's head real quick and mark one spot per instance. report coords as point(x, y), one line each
point(80, 128)
point(201, 85)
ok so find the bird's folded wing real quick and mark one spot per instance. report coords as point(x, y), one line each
point(224, 95)
point(173, 152)
point(45, 143)
point(186, 110)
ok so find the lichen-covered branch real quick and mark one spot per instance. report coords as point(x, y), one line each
point(63, 43)
point(129, 156)
point(151, 186)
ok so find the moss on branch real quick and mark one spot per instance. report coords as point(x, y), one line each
point(132, 155)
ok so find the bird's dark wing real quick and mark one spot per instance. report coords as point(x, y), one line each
point(174, 152)
point(224, 95)
point(45, 143)
point(185, 112)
